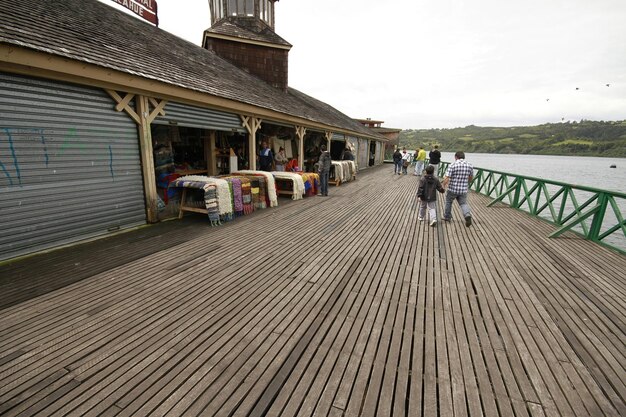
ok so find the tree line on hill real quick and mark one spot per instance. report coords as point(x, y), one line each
point(584, 138)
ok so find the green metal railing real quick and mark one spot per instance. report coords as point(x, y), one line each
point(597, 215)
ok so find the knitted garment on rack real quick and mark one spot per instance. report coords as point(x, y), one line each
point(210, 196)
point(271, 186)
point(224, 196)
point(293, 179)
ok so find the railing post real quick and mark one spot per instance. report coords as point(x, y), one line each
point(598, 217)
point(518, 190)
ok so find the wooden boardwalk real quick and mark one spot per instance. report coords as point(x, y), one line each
point(337, 306)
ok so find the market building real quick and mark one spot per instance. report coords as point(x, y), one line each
point(98, 108)
point(391, 134)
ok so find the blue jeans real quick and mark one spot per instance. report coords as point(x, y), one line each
point(324, 182)
point(461, 199)
point(397, 167)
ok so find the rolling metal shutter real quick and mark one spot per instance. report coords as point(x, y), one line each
point(338, 136)
point(199, 117)
point(69, 165)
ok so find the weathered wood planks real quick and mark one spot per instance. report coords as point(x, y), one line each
point(328, 306)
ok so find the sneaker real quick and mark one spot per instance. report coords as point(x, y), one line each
point(420, 219)
point(446, 219)
point(468, 221)
point(433, 223)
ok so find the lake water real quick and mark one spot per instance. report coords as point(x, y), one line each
point(577, 170)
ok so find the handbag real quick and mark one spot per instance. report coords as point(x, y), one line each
point(405, 163)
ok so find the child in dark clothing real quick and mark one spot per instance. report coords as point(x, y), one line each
point(427, 194)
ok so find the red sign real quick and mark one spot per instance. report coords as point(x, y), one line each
point(146, 9)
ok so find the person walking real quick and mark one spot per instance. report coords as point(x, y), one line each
point(434, 158)
point(324, 169)
point(281, 159)
point(427, 194)
point(420, 158)
point(457, 179)
point(397, 162)
point(406, 160)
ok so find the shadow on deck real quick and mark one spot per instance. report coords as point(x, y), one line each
point(345, 305)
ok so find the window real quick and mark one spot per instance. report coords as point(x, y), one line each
point(249, 7)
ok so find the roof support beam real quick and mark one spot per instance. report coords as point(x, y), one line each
point(301, 131)
point(252, 124)
point(329, 136)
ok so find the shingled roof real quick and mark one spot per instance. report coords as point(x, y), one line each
point(255, 31)
point(92, 32)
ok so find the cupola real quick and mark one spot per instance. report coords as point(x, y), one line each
point(242, 32)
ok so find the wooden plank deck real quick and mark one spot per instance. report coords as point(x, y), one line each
point(329, 306)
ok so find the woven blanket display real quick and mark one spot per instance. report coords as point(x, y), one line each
point(343, 171)
point(290, 181)
point(210, 196)
point(224, 196)
point(311, 183)
point(270, 184)
point(236, 192)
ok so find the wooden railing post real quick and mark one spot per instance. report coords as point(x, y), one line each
point(598, 217)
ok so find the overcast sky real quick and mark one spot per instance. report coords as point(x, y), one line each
point(447, 63)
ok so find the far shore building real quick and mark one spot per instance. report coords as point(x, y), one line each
point(99, 108)
point(392, 134)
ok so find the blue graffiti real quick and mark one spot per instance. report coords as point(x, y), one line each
point(111, 162)
point(4, 169)
point(15, 161)
point(45, 147)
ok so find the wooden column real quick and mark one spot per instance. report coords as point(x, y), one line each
point(209, 146)
point(147, 159)
point(329, 136)
point(252, 124)
point(301, 131)
point(144, 116)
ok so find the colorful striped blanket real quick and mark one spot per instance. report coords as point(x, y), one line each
point(271, 186)
point(224, 196)
point(210, 196)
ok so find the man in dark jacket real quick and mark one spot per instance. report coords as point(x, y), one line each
point(434, 157)
point(324, 169)
point(397, 162)
point(427, 194)
point(347, 155)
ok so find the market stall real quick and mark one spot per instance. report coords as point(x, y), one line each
point(342, 171)
point(297, 184)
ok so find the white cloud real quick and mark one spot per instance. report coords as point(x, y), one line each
point(446, 63)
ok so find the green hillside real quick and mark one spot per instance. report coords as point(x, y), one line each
point(584, 138)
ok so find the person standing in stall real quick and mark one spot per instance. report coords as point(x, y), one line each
point(281, 159)
point(266, 158)
point(324, 169)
